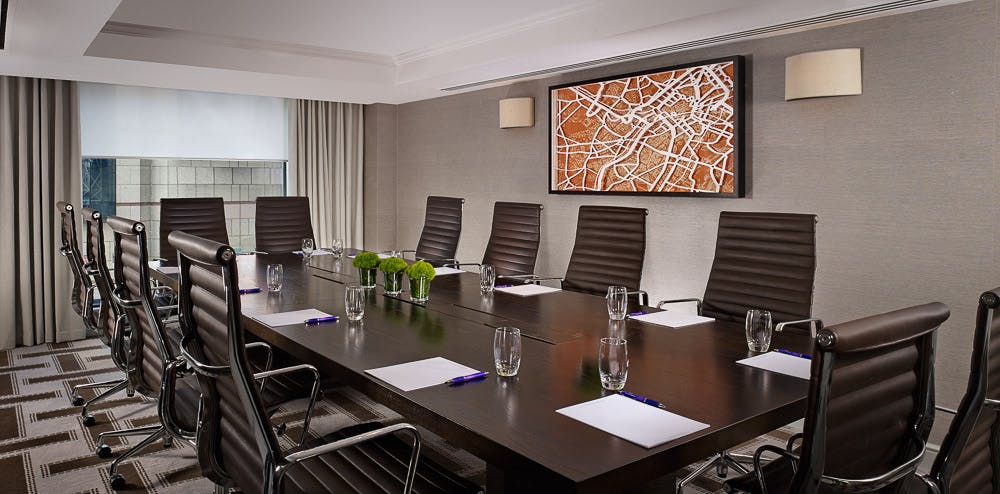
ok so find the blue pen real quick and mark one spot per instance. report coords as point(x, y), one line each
point(470, 377)
point(644, 400)
point(321, 320)
point(504, 286)
point(244, 291)
point(794, 354)
point(640, 313)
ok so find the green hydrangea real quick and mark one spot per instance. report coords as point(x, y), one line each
point(421, 268)
point(392, 265)
point(366, 260)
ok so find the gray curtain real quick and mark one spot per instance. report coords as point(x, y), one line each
point(327, 164)
point(39, 165)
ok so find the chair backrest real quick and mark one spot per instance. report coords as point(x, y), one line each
point(442, 228)
point(201, 216)
point(969, 459)
point(234, 435)
point(871, 400)
point(148, 350)
point(514, 238)
point(70, 248)
point(762, 261)
point(97, 267)
point(609, 250)
point(282, 223)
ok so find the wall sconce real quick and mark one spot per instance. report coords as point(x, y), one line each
point(517, 112)
point(823, 73)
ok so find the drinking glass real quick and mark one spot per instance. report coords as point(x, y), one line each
point(337, 248)
point(612, 363)
point(354, 302)
point(759, 330)
point(507, 351)
point(487, 278)
point(307, 248)
point(617, 302)
point(275, 277)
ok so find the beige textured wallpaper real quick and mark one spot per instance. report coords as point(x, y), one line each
point(904, 178)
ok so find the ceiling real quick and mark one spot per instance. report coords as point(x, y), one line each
point(363, 51)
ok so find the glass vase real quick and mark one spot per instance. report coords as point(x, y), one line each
point(366, 277)
point(420, 289)
point(393, 283)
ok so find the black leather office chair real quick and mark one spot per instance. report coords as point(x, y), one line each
point(762, 261)
point(281, 223)
point(202, 216)
point(609, 250)
point(969, 459)
point(111, 321)
point(236, 447)
point(869, 411)
point(82, 292)
point(514, 238)
point(442, 229)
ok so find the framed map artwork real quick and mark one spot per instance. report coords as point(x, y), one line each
point(673, 131)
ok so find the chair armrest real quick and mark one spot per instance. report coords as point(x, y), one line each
point(303, 455)
point(874, 484)
point(457, 264)
point(815, 325)
point(776, 450)
point(643, 296)
point(950, 411)
point(166, 403)
point(312, 395)
point(267, 361)
point(660, 304)
point(994, 404)
point(790, 445)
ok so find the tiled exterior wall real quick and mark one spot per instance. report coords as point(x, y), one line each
point(141, 183)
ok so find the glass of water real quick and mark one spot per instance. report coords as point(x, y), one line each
point(487, 278)
point(354, 302)
point(617, 302)
point(759, 330)
point(337, 248)
point(275, 277)
point(507, 350)
point(612, 363)
point(307, 248)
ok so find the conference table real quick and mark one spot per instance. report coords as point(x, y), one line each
point(511, 422)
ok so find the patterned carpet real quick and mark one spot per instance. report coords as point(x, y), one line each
point(45, 448)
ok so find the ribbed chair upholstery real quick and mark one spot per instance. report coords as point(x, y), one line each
point(762, 261)
point(236, 447)
point(969, 459)
point(609, 250)
point(152, 358)
point(514, 238)
point(282, 223)
point(82, 292)
point(442, 229)
point(111, 320)
point(869, 411)
point(201, 216)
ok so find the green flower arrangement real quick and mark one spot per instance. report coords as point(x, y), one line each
point(392, 265)
point(421, 269)
point(366, 260)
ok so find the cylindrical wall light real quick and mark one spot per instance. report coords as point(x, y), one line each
point(517, 112)
point(823, 73)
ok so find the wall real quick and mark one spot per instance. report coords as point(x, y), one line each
point(904, 178)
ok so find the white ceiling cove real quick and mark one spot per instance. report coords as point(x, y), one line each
point(366, 51)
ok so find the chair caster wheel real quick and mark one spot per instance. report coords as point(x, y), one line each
point(104, 451)
point(118, 481)
point(722, 471)
point(77, 400)
point(168, 442)
point(279, 430)
point(89, 420)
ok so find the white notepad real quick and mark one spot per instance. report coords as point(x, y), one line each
point(288, 318)
point(421, 373)
point(672, 319)
point(316, 252)
point(528, 290)
point(445, 270)
point(779, 362)
point(169, 269)
point(636, 422)
point(380, 256)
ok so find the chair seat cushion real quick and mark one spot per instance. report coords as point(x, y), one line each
point(374, 466)
point(187, 394)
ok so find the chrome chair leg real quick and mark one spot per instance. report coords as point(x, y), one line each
point(78, 400)
point(117, 479)
point(721, 461)
point(88, 418)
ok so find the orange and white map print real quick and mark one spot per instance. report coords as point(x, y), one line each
point(671, 131)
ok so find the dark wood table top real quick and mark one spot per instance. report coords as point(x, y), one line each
point(511, 422)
